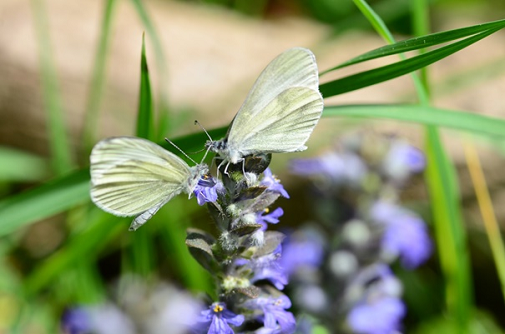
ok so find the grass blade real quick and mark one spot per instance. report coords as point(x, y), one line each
point(163, 110)
point(173, 234)
point(453, 253)
point(449, 231)
point(388, 72)
point(375, 20)
point(418, 43)
point(61, 160)
point(145, 109)
point(44, 201)
point(22, 166)
point(487, 212)
point(423, 114)
point(101, 231)
point(98, 78)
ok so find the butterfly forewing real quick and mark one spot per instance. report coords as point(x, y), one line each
point(284, 125)
point(282, 108)
point(129, 176)
point(295, 67)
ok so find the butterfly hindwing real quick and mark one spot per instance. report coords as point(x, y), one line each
point(130, 175)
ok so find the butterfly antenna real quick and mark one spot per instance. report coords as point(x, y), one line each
point(198, 123)
point(177, 147)
point(210, 138)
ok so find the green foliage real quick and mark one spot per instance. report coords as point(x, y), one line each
point(71, 272)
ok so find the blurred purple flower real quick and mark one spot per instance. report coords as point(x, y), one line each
point(173, 311)
point(339, 167)
point(385, 212)
point(402, 160)
point(275, 316)
point(408, 238)
point(380, 316)
point(375, 295)
point(100, 319)
point(303, 249)
point(304, 326)
point(272, 183)
point(217, 317)
point(405, 234)
point(269, 217)
point(76, 321)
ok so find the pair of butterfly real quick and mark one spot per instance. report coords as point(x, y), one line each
point(135, 177)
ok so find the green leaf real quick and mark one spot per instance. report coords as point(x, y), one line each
point(141, 255)
point(388, 72)
point(421, 42)
point(103, 228)
point(476, 123)
point(161, 67)
point(22, 166)
point(44, 201)
point(98, 78)
point(375, 20)
point(61, 160)
point(448, 224)
point(145, 110)
point(173, 234)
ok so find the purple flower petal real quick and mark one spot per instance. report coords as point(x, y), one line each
point(218, 318)
point(273, 184)
point(272, 217)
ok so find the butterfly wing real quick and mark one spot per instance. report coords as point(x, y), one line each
point(283, 106)
point(285, 124)
point(133, 176)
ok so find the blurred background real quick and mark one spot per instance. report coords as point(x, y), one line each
point(78, 62)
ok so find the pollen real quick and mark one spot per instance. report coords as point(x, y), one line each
point(218, 308)
point(267, 210)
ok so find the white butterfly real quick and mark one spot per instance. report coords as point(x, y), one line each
point(280, 112)
point(135, 177)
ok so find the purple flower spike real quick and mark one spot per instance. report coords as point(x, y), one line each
point(269, 217)
point(408, 238)
point(381, 316)
point(275, 317)
point(218, 317)
point(273, 184)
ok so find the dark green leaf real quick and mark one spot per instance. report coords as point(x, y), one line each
point(420, 42)
point(145, 125)
point(388, 72)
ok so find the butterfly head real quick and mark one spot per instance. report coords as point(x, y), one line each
point(200, 175)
